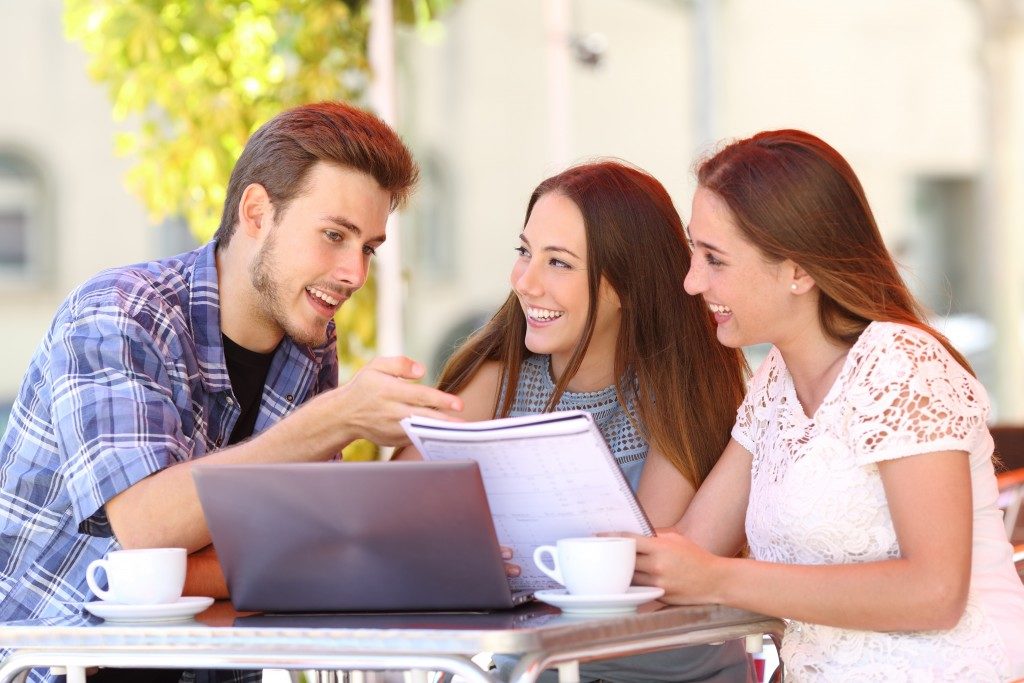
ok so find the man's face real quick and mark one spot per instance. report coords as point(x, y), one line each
point(317, 253)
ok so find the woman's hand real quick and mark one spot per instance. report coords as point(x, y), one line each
point(511, 570)
point(671, 561)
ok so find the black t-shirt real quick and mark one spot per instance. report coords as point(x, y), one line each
point(248, 373)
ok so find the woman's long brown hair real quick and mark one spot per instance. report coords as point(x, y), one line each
point(685, 385)
point(795, 197)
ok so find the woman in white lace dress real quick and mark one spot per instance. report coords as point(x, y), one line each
point(860, 470)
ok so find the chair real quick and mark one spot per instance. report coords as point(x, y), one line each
point(1009, 441)
point(1009, 450)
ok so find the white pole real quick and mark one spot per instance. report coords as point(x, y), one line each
point(704, 75)
point(556, 26)
point(389, 258)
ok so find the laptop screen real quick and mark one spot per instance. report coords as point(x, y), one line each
point(330, 537)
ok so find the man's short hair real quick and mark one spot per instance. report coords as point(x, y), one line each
point(281, 153)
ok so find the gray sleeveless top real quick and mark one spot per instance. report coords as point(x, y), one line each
point(535, 387)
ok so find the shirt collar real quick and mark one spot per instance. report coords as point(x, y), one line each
point(204, 317)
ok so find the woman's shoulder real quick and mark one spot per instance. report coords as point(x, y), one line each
point(481, 391)
point(768, 371)
point(884, 346)
point(884, 334)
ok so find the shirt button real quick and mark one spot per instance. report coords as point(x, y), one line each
point(230, 401)
point(289, 398)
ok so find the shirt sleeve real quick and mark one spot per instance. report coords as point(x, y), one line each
point(113, 409)
point(909, 396)
point(752, 413)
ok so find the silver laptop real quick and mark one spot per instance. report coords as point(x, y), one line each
point(342, 537)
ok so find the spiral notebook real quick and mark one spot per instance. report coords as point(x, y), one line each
point(547, 477)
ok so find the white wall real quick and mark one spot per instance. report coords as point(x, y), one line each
point(52, 112)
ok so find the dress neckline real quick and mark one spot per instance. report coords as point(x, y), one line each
point(789, 386)
point(546, 373)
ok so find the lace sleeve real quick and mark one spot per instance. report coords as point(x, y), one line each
point(750, 416)
point(908, 396)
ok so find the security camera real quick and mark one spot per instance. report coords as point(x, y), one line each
point(589, 49)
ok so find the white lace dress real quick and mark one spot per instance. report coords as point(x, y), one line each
point(816, 497)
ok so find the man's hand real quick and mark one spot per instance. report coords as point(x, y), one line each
point(382, 393)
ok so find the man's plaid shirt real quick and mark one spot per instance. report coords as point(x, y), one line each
point(130, 379)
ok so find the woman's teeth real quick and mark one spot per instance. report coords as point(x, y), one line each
point(543, 313)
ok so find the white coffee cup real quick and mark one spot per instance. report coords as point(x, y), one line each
point(594, 565)
point(144, 576)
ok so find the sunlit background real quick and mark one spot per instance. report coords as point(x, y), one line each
point(924, 97)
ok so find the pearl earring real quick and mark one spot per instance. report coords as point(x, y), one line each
point(792, 286)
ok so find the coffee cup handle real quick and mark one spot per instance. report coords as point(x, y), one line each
point(90, 578)
point(538, 559)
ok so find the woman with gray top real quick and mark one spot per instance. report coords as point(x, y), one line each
point(597, 320)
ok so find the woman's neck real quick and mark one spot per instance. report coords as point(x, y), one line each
point(814, 363)
point(596, 372)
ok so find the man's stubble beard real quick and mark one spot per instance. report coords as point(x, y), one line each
point(270, 309)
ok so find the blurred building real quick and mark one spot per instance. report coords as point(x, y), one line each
point(64, 213)
point(499, 95)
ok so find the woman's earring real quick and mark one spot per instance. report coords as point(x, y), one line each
point(792, 286)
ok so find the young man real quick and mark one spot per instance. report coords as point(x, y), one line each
point(209, 355)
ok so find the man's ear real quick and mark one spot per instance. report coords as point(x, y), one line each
point(254, 210)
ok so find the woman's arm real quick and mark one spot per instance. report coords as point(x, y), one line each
point(715, 518)
point(478, 397)
point(929, 498)
point(664, 492)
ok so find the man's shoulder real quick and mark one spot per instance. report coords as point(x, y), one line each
point(164, 283)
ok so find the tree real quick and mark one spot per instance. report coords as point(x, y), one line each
point(198, 78)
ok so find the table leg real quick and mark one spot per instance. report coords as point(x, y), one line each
point(73, 674)
point(569, 672)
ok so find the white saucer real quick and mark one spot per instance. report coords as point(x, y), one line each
point(180, 609)
point(615, 603)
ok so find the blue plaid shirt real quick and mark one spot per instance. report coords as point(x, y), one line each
point(130, 379)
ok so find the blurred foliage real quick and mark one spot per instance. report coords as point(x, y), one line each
point(195, 78)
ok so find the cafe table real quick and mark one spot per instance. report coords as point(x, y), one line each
point(221, 638)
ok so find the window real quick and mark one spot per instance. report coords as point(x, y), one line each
point(23, 221)
point(431, 251)
point(943, 249)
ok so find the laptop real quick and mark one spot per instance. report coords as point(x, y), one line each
point(355, 537)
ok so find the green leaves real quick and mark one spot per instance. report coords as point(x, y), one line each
point(199, 77)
